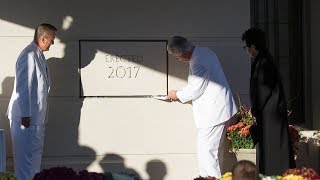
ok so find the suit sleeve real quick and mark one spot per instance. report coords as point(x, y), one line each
point(25, 70)
point(198, 81)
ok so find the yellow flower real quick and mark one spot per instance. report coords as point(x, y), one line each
point(226, 176)
point(292, 177)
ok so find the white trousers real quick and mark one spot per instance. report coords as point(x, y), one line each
point(208, 150)
point(27, 146)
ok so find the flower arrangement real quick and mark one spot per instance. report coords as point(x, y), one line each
point(304, 172)
point(238, 134)
point(226, 176)
point(7, 176)
point(205, 178)
point(65, 173)
point(60, 173)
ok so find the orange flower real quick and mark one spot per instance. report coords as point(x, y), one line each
point(239, 134)
point(241, 124)
point(245, 131)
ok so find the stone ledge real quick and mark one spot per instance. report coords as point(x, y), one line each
point(311, 136)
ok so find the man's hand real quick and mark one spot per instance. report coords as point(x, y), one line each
point(25, 121)
point(172, 95)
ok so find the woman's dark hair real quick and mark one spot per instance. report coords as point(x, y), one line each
point(256, 37)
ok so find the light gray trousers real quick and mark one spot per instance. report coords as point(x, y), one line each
point(27, 149)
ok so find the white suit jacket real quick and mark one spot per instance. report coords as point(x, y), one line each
point(208, 89)
point(31, 87)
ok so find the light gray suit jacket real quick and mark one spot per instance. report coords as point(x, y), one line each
point(208, 89)
point(31, 87)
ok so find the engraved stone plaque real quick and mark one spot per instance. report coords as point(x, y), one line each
point(123, 68)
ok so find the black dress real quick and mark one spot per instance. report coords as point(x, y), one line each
point(271, 131)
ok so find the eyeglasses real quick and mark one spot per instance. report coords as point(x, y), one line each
point(244, 47)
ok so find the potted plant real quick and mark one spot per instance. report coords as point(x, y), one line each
point(239, 136)
point(7, 176)
point(240, 139)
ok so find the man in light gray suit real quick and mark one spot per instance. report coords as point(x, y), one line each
point(211, 97)
point(27, 108)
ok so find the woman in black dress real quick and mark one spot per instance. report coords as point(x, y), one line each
point(271, 130)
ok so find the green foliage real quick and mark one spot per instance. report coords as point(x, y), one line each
point(7, 176)
point(238, 134)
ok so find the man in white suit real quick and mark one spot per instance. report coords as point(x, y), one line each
point(27, 108)
point(211, 97)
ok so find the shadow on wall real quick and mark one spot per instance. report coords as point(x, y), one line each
point(116, 164)
point(62, 132)
point(227, 159)
point(132, 23)
point(7, 87)
point(65, 107)
point(309, 155)
point(64, 113)
point(156, 169)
